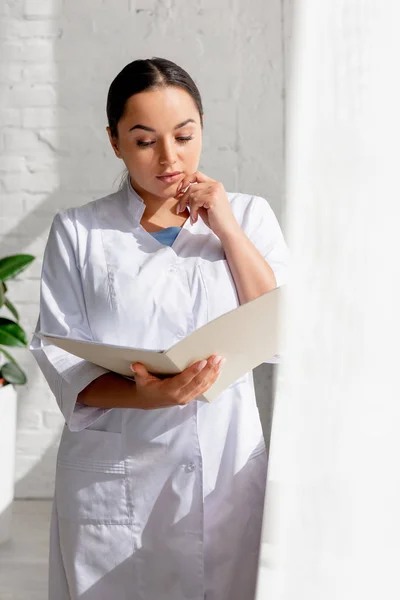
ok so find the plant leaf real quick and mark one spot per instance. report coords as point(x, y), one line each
point(11, 266)
point(13, 374)
point(8, 355)
point(2, 294)
point(11, 334)
point(12, 308)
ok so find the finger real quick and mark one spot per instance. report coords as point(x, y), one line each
point(183, 186)
point(189, 185)
point(138, 369)
point(183, 197)
point(141, 373)
point(194, 210)
point(206, 379)
point(178, 189)
point(184, 378)
point(210, 371)
point(197, 177)
point(197, 200)
point(193, 381)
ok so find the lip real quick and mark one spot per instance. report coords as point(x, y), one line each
point(170, 173)
point(170, 177)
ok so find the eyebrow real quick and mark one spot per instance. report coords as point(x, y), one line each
point(154, 131)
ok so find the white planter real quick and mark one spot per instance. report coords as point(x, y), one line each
point(8, 425)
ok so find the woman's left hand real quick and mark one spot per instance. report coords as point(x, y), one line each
point(208, 199)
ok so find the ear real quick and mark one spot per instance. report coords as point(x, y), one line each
point(113, 143)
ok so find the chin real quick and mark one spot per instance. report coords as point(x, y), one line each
point(167, 192)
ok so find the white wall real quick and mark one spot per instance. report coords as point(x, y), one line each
point(57, 61)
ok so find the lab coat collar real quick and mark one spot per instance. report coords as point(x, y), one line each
point(135, 202)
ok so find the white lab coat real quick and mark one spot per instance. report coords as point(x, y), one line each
point(162, 504)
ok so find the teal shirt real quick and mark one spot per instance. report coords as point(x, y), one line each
point(166, 236)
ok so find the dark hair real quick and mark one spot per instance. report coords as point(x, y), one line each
point(148, 74)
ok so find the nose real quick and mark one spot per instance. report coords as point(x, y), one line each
point(167, 153)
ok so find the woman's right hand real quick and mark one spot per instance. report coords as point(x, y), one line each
point(177, 390)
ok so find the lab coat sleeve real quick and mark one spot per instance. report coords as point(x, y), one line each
point(265, 233)
point(63, 312)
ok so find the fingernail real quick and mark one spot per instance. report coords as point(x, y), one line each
point(221, 363)
point(132, 369)
point(177, 209)
point(216, 360)
point(191, 220)
point(201, 365)
point(179, 186)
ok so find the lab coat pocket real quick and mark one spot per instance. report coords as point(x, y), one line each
point(91, 478)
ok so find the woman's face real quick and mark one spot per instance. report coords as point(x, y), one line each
point(159, 132)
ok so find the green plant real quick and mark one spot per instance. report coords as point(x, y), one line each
point(11, 333)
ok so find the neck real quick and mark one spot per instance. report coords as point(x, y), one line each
point(160, 212)
point(159, 208)
point(156, 205)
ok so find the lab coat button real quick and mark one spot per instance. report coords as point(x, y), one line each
point(172, 269)
point(190, 467)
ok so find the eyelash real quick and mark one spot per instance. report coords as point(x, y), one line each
point(183, 140)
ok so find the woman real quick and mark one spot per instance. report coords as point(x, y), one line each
point(158, 496)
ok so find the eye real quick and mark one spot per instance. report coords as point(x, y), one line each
point(182, 140)
point(143, 144)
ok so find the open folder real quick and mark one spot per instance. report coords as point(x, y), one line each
point(245, 336)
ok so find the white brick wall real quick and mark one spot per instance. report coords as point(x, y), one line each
point(57, 60)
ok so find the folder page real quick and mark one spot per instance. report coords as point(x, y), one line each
point(245, 336)
point(113, 357)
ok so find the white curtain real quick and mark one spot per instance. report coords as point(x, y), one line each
point(332, 515)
